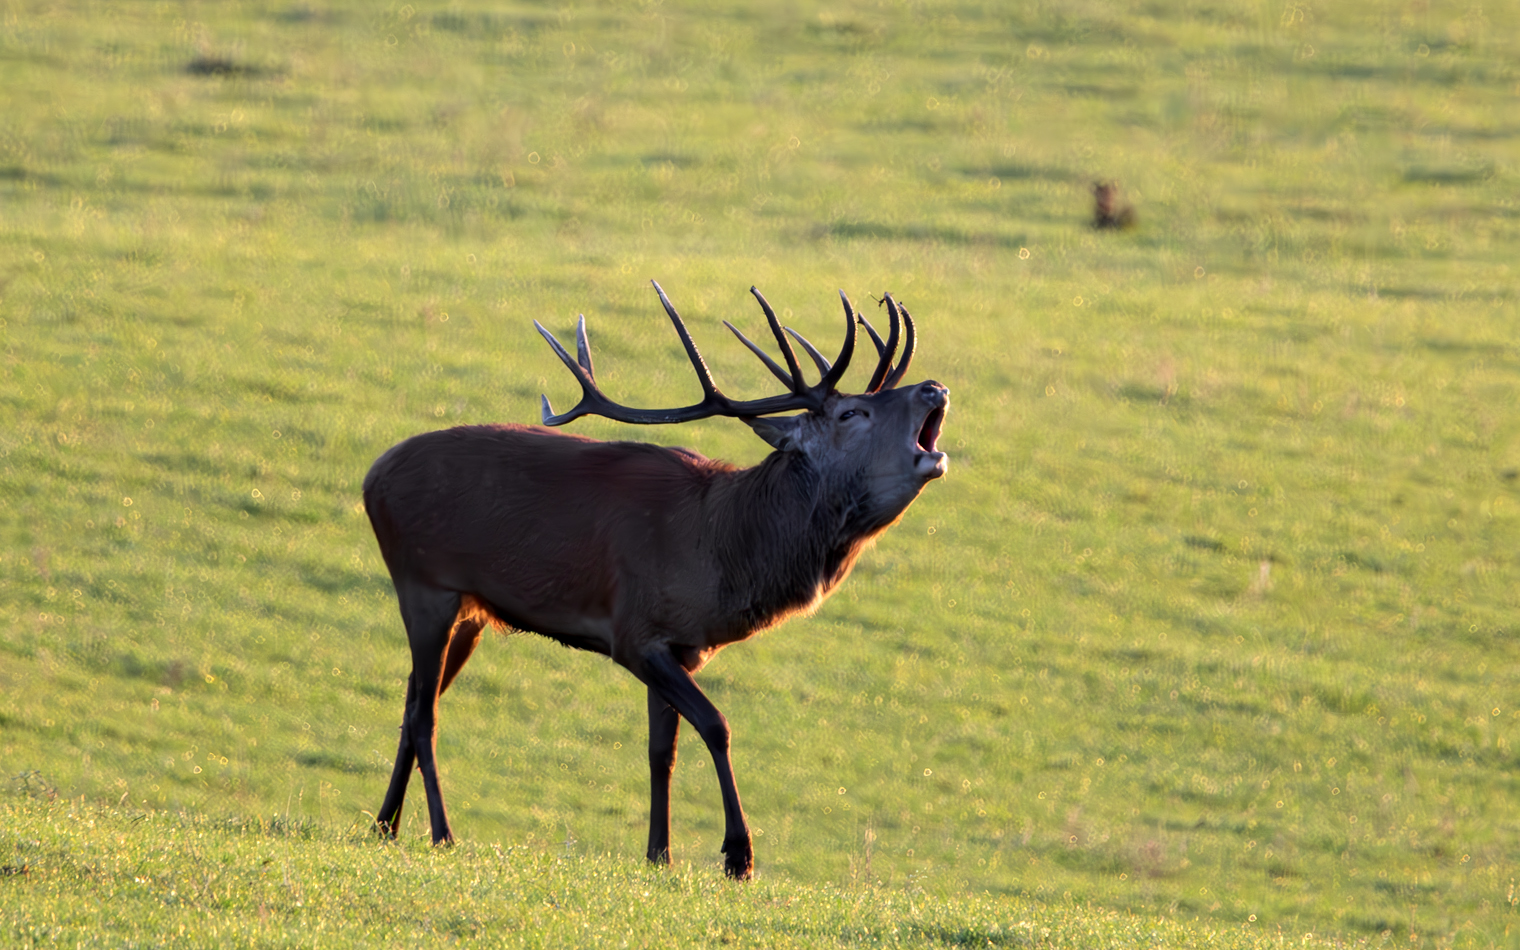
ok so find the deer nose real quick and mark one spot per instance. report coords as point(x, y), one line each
point(933, 393)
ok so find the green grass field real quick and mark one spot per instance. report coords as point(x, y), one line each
point(1214, 620)
point(111, 879)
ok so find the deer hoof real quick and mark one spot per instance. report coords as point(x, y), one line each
point(660, 857)
point(739, 861)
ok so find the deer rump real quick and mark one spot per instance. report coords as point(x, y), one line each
point(655, 557)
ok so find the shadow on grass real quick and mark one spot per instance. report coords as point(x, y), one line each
point(1426, 175)
point(162, 671)
point(491, 26)
point(1021, 171)
point(20, 173)
point(225, 68)
point(872, 230)
point(1162, 395)
point(319, 759)
point(337, 580)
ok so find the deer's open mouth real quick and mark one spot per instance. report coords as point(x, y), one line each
point(928, 434)
point(928, 460)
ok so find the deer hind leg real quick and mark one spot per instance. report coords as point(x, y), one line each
point(664, 675)
point(388, 819)
point(462, 643)
point(430, 616)
point(664, 725)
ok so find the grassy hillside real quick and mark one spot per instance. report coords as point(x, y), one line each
point(95, 876)
point(1214, 616)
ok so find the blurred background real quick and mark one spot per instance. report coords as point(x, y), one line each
point(1214, 615)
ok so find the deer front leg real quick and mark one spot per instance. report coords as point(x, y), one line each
point(674, 684)
point(664, 724)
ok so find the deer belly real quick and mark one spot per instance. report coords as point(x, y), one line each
point(572, 628)
point(584, 634)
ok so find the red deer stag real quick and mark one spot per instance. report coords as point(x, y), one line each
point(655, 557)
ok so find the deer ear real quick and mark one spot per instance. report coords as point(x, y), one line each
point(780, 432)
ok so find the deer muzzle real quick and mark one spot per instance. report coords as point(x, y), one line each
point(933, 400)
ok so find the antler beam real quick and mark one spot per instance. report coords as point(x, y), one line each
point(714, 402)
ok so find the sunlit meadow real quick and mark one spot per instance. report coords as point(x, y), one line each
point(1214, 618)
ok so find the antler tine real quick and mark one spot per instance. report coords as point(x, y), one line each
point(884, 353)
point(797, 383)
point(579, 370)
point(871, 331)
point(770, 364)
point(704, 376)
point(842, 362)
point(595, 402)
point(583, 347)
point(909, 341)
point(823, 364)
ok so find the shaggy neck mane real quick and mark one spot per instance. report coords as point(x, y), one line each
point(790, 535)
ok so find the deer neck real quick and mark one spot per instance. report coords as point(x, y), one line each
point(790, 534)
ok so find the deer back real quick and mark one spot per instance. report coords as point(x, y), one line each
point(548, 530)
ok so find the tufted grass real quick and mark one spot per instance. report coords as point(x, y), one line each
point(85, 876)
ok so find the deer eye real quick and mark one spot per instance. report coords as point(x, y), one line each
point(847, 414)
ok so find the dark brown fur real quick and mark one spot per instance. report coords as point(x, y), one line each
point(652, 503)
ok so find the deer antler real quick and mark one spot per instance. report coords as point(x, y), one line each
point(886, 376)
point(714, 403)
